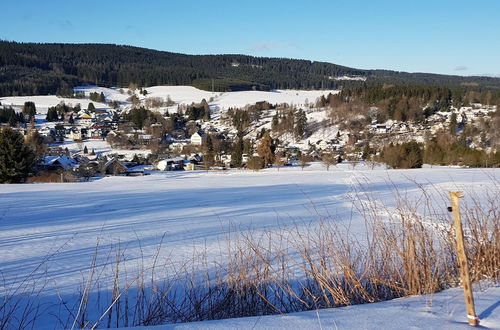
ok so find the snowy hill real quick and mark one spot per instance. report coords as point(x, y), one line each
point(43, 102)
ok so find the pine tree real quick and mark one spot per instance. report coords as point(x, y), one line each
point(29, 109)
point(85, 150)
point(206, 110)
point(35, 141)
point(52, 114)
point(237, 154)
point(300, 124)
point(208, 154)
point(16, 158)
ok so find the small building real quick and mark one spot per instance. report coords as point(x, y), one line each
point(75, 134)
point(144, 138)
point(189, 167)
point(54, 163)
point(171, 164)
point(84, 120)
point(381, 129)
point(197, 138)
point(115, 167)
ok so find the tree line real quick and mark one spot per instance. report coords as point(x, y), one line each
point(405, 102)
point(32, 68)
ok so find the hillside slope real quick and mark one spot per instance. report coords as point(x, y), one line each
point(31, 68)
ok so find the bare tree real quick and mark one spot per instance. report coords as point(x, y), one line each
point(328, 160)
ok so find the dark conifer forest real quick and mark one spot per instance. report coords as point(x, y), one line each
point(32, 68)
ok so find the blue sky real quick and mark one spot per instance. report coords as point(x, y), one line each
point(441, 36)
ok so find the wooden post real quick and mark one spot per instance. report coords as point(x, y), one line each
point(462, 258)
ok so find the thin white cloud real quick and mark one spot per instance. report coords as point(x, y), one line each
point(461, 68)
point(268, 46)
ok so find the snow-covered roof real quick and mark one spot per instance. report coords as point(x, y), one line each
point(63, 161)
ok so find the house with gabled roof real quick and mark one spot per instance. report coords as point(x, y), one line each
point(115, 167)
point(197, 138)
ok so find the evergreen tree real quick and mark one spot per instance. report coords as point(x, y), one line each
point(10, 116)
point(52, 114)
point(29, 109)
point(85, 150)
point(237, 154)
point(35, 141)
point(206, 110)
point(208, 153)
point(91, 106)
point(300, 124)
point(16, 158)
point(405, 155)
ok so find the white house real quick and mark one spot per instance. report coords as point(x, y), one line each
point(75, 134)
point(196, 139)
point(170, 164)
point(84, 120)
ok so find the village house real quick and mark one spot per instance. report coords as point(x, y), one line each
point(197, 138)
point(54, 163)
point(171, 164)
point(381, 129)
point(115, 167)
point(84, 119)
point(75, 134)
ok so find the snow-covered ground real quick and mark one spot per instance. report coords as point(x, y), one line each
point(43, 102)
point(292, 97)
point(192, 209)
point(178, 94)
point(102, 147)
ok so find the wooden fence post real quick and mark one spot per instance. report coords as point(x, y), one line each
point(462, 258)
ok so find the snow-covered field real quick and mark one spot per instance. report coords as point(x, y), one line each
point(52, 229)
point(102, 147)
point(292, 97)
point(43, 102)
point(178, 94)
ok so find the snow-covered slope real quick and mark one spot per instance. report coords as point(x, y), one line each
point(295, 97)
point(43, 102)
point(110, 94)
point(180, 95)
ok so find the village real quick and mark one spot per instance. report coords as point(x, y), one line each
point(80, 143)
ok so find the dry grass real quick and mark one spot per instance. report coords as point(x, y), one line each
point(51, 177)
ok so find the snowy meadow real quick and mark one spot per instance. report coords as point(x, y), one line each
point(194, 246)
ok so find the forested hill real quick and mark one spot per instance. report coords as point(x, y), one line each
point(31, 68)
